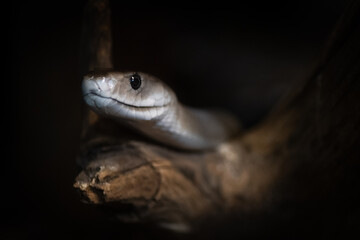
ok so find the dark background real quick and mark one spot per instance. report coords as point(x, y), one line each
point(243, 57)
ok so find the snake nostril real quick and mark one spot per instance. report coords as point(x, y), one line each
point(98, 86)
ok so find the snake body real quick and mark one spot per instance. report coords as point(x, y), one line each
point(150, 106)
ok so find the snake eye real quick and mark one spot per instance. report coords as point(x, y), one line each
point(135, 81)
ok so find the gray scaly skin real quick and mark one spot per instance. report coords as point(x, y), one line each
point(150, 106)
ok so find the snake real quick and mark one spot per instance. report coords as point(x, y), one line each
point(148, 105)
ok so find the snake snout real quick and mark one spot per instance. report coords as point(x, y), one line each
point(98, 84)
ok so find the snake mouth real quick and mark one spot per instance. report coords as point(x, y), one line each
point(91, 93)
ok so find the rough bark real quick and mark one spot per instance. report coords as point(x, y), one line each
point(306, 150)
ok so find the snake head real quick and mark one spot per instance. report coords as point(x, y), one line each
point(127, 96)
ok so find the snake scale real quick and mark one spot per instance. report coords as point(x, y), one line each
point(147, 104)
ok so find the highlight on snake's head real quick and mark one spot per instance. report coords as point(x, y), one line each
point(128, 96)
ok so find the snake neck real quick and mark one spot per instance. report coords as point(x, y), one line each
point(189, 128)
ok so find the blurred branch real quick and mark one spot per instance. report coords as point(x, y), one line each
point(96, 36)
